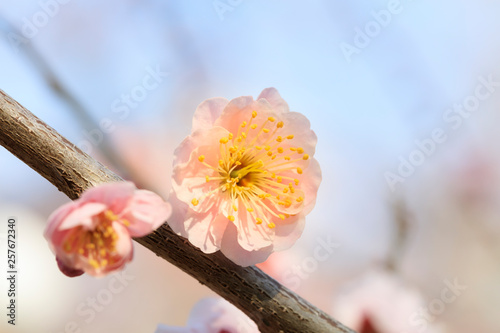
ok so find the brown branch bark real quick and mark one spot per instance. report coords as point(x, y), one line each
point(273, 307)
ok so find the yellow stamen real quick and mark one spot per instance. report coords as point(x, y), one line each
point(94, 263)
point(248, 175)
point(110, 215)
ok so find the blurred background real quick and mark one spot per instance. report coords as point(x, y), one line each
point(404, 97)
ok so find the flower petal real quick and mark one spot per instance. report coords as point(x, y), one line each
point(240, 109)
point(146, 212)
point(178, 217)
point(57, 217)
point(205, 142)
point(68, 271)
point(251, 236)
point(215, 315)
point(312, 178)
point(288, 231)
point(231, 248)
point(206, 230)
point(273, 97)
point(114, 195)
point(207, 112)
point(82, 216)
point(298, 125)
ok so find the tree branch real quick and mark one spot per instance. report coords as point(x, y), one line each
point(273, 307)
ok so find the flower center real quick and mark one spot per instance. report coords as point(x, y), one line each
point(97, 245)
point(254, 169)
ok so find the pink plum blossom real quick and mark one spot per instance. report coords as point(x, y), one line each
point(93, 233)
point(245, 178)
point(213, 315)
point(380, 302)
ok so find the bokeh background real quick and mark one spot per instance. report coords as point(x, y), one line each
point(376, 79)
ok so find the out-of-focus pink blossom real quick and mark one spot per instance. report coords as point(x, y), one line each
point(379, 302)
point(93, 233)
point(213, 315)
point(245, 178)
